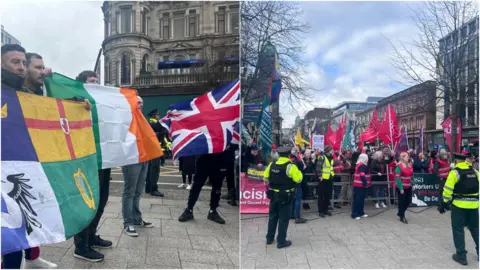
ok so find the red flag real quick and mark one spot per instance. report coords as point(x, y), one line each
point(447, 132)
point(388, 130)
point(329, 137)
point(374, 121)
point(340, 133)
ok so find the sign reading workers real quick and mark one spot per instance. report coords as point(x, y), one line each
point(318, 142)
point(426, 190)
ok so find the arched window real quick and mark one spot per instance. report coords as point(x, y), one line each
point(126, 71)
point(144, 67)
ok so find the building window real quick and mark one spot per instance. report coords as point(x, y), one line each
point(179, 25)
point(192, 23)
point(449, 42)
point(2, 38)
point(125, 20)
point(472, 28)
point(144, 16)
point(165, 26)
point(220, 22)
point(463, 32)
point(144, 64)
point(234, 19)
point(419, 122)
point(126, 69)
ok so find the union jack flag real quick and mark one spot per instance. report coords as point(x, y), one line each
point(206, 124)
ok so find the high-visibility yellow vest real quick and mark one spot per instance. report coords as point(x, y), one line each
point(327, 169)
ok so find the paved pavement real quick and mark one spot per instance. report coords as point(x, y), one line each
point(170, 244)
point(379, 241)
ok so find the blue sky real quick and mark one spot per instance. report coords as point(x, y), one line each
point(348, 52)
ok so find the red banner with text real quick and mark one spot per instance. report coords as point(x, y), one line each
point(253, 196)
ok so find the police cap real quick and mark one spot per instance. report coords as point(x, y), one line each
point(154, 112)
point(284, 150)
point(459, 156)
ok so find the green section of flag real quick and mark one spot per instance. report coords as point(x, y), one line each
point(76, 213)
point(59, 86)
point(348, 141)
point(266, 128)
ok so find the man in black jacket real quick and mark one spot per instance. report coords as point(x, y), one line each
point(153, 172)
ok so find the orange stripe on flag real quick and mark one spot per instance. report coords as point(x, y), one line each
point(147, 142)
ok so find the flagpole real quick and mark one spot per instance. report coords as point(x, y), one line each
point(390, 123)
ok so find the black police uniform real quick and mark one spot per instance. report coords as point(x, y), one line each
point(153, 171)
point(281, 193)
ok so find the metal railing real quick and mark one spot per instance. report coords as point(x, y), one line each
point(181, 79)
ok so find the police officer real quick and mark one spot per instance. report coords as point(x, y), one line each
point(154, 164)
point(282, 177)
point(461, 191)
point(324, 168)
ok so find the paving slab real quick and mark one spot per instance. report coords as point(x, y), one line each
point(170, 244)
point(380, 241)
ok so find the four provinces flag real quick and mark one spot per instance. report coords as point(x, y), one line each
point(122, 134)
point(49, 189)
point(266, 128)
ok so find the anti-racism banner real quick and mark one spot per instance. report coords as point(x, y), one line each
point(253, 195)
point(426, 190)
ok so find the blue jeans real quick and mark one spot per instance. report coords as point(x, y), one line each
point(298, 202)
point(380, 193)
point(134, 177)
point(358, 201)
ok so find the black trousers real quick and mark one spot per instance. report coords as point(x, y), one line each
point(404, 200)
point(325, 189)
point(230, 175)
point(153, 174)
point(462, 218)
point(199, 179)
point(279, 214)
point(82, 239)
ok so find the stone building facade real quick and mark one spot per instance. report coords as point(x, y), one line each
point(170, 47)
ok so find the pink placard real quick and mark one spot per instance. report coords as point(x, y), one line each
point(253, 196)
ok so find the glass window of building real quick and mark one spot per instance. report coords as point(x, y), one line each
point(221, 20)
point(234, 19)
point(144, 16)
point(165, 26)
point(192, 23)
point(179, 24)
point(125, 20)
point(2, 37)
point(125, 69)
point(472, 27)
point(464, 32)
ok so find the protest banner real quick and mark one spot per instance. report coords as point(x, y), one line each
point(253, 196)
point(425, 190)
point(318, 142)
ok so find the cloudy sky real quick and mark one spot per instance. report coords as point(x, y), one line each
point(348, 50)
point(67, 34)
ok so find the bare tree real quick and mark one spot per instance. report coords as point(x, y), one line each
point(280, 24)
point(442, 52)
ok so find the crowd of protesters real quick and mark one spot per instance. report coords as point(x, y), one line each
point(377, 172)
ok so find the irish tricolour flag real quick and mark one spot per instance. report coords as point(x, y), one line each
point(122, 134)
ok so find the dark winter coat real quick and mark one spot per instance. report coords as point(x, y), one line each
point(187, 165)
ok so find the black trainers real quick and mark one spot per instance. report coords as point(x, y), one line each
point(215, 217)
point(130, 231)
point(269, 242)
point(90, 255)
point(300, 220)
point(98, 242)
point(186, 215)
point(285, 244)
point(330, 208)
point(156, 193)
point(145, 224)
point(321, 215)
point(328, 213)
point(462, 262)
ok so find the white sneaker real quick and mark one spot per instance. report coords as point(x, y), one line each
point(189, 187)
point(182, 185)
point(357, 218)
point(377, 206)
point(39, 263)
point(364, 216)
point(383, 205)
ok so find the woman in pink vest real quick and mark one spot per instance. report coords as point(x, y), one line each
point(361, 183)
point(403, 175)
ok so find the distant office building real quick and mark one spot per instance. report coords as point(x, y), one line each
point(7, 38)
